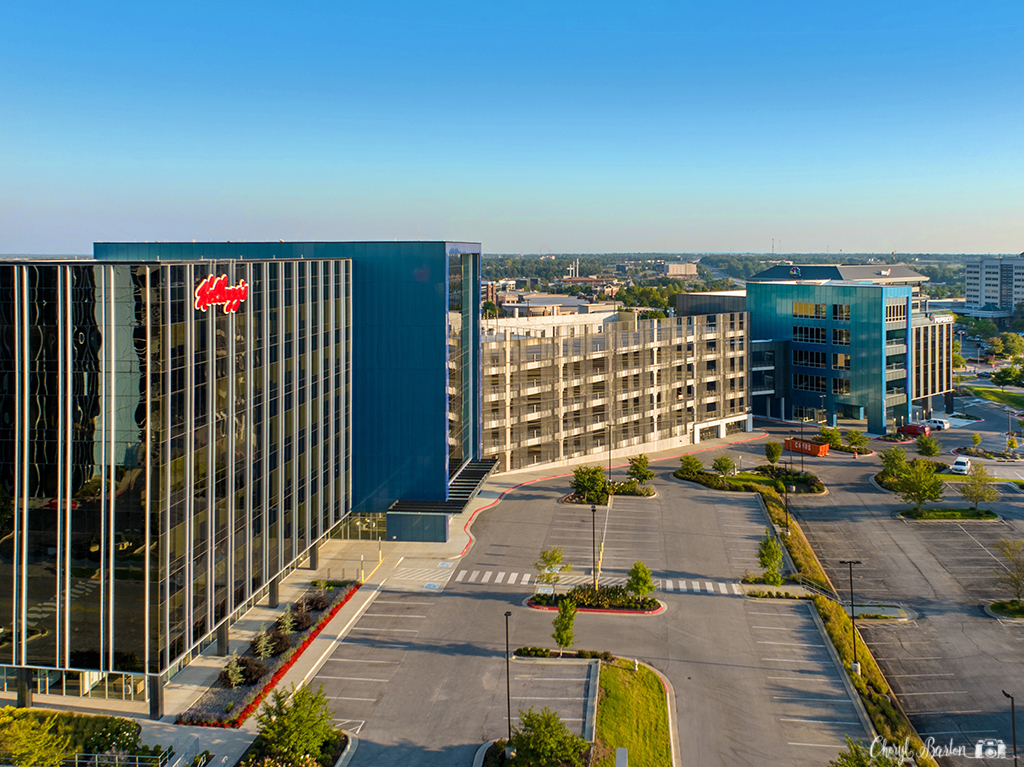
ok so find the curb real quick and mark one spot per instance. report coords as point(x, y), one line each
point(993, 614)
point(349, 752)
point(609, 611)
point(478, 758)
point(590, 717)
point(899, 515)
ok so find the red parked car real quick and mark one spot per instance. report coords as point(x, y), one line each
point(914, 430)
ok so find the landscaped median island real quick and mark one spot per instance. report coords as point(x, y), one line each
point(247, 679)
point(939, 514)
point(1009, 608)
point(632, 713)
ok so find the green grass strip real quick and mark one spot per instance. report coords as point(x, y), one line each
point(632, 714)
point(1002, 397)
point(1010, 608)
point(889, 721)
point(949, 514)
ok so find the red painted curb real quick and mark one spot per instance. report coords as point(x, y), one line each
point(498, 500)
point(279, 674)
point(659, 611)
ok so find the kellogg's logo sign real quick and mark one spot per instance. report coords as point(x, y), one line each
point(215, 291)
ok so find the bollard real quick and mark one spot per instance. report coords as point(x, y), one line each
point(360, 568)
point(380, 551)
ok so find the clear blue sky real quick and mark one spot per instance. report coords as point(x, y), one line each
point(529, 126)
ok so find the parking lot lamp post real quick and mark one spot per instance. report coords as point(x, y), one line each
point(593, 538)
point(802, 422)
point(855, 666)
point(1013, 726)
point(824, 413)
point(508, 683)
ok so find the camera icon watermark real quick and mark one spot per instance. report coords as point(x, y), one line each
point(989, 748)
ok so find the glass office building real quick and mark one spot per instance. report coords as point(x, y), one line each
point(185, 422)
point(177, 435)
point(846, 346)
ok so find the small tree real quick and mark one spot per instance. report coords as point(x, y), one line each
point(563, 625)
point(639, 580)
point(859, 755)
point(894, 462)
point(589, 483)
point(769, 554)
point(773, 452)
point(32, 743)
point(549, 567)
point(1011, 443)
point(294, 724)
point(287, 621)
point(976, 439)
point(543, 738)
point(723, 465)
point(1012, 576)
point(1005, 377)
point(830, 436)
point(919, 485)
point(261, 645)
point(691, 466)
point(233, 671)
point(979, 487)
point(856, 438)
point(640, 470)
point(927, 446)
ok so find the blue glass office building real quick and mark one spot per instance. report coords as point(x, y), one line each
point(185, 422)
point(845, 343)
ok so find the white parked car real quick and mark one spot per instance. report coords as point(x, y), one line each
point(961, 465)
point(937, 424)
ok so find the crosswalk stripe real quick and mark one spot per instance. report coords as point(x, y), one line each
point(526, 578)
point(709, 586)
point(499, 577)
point(474, 576)
point(722, 588)
point(460, 576)
point(736, 590)
point(668, 585)
point(682, 585)
point(512, 578)
point(696, 586)
point(487, 576)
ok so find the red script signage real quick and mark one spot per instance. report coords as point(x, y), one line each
point(215, 291)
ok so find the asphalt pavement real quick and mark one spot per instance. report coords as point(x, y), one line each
point(947, 667)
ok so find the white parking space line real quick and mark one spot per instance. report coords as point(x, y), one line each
point(819, 700)
point(342, 697)
point(371, 628)
point(545, 697)
point(897, 676)
point(552, 678)
point(791, 644)
point(798, 660)
point(818, 721)
point(817, 745)
point(382, 615)
point(356, 660)
point(802, 678)
point(943, 692)
point(398, 602)
point(352, 678)
point(782, 628)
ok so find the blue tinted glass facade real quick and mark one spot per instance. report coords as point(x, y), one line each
point(840, 346)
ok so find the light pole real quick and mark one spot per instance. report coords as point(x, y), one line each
point(1013, 726)
point(802, 422)
point(790, 451)
point(508, 684)
point(855, 666)
point(593, 538)
point(824, 413)
point(787, 508)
